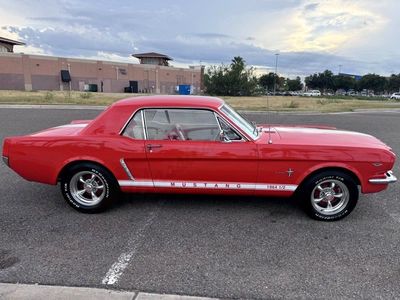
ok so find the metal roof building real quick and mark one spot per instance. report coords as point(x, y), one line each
point(153, 58)
point(7, 45)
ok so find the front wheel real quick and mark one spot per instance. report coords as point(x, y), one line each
point(329, 195)
point(88, 187)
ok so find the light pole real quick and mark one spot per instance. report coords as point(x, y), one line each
point(276, 71)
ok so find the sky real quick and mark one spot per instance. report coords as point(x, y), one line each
point(353, 36)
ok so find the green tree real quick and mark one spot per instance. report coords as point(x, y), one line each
point(267, 81)
point(313, 81)
point(373, 82)
point(321, 81)
point(294, 84)
point(344, 82)
point(233, 80)
point(394, 83)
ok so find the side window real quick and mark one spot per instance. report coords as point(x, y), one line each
point(228, 131)
point(158, 124)
point(134, 129)
point(181, 124)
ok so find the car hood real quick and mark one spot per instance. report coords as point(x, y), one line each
point(322, 136)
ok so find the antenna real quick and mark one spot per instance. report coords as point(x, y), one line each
point(268, 116)
point(268, 120)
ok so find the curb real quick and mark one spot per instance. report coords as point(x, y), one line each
point(277, 112)
point(12, 291)
point(52, 106)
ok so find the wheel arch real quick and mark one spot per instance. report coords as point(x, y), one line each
point(72, 163)
point(349, 171)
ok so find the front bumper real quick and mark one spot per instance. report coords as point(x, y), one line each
point(5, 160)
point(390, 178)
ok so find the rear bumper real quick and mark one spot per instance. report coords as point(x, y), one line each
point(389, 178)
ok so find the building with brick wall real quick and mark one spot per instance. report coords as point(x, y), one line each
point(37, 72)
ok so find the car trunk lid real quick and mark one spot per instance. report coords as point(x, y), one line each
point(63, 130)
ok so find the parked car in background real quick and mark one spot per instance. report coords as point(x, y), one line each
point(351, 93)
point(187, 144)
point(341, 92)
point(312, 93)
point(395, 96)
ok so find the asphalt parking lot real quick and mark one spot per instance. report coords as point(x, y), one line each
point(226, 247)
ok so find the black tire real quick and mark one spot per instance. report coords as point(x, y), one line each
point(88, 187)
point(324, 189)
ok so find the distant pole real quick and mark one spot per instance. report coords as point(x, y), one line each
point(340, 69)
point(276, 71)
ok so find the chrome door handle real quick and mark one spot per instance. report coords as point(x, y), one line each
point(150, 147)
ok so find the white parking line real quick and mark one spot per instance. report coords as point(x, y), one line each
point(118, 268)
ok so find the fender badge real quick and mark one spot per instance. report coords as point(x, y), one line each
point(289, 172)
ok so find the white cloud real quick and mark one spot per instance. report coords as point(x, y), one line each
point(310, 35)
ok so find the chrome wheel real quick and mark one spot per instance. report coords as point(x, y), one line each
point(330, 197)
point(87, 188)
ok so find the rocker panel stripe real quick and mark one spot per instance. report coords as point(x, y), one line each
point(209, 185)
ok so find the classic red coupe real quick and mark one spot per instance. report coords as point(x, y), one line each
point(188, 144)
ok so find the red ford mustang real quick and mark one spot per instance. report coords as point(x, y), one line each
point(200, 145)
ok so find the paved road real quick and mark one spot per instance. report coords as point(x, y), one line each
point(201, 245)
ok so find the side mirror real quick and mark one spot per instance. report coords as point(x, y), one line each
point(223, 137)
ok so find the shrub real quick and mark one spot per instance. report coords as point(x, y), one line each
point(49, 96)
point(292, 104)
point(86, 95)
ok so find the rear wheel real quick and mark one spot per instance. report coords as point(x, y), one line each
point(88, 187)
point(329, 195)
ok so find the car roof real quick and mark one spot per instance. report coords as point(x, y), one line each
point(171, 101)
point(112, 120)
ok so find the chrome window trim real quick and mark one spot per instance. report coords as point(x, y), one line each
point(216, 119)
point(157, 107)
point(121, 132)
point(217, 116)
point(126, 169)
point(143, 124)
point(218, 112)
point(238, 128)
point(185, 108)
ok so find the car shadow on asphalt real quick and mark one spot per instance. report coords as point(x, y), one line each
point(272, 206)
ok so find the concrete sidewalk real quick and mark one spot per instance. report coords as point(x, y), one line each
point(10, 291)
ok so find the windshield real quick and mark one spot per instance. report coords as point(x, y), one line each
point(241, 122)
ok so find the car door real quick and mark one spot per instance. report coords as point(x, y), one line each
point(136, 174)
point(185, 152)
